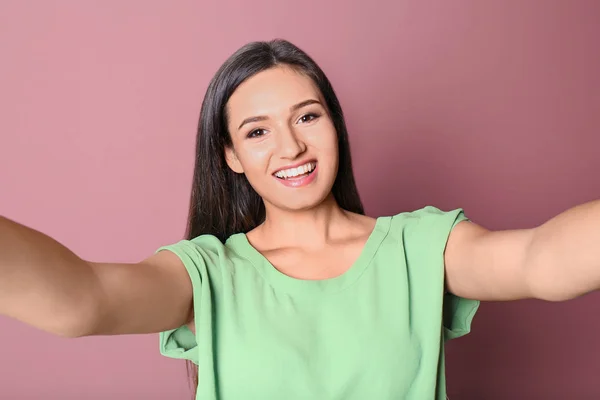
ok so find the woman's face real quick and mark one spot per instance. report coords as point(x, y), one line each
point(283, 139)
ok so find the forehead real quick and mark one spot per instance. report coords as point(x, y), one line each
point(270, 92)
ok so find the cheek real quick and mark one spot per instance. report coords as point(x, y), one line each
point(325, 140)
point(255, 158)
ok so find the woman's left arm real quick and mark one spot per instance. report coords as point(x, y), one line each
point(558, 260)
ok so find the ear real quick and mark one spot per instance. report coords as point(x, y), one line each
point(232, 160)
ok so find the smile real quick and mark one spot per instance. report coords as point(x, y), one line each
point(295, 173)
point(297, 176)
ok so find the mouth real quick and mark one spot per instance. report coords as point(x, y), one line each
point(298, 172)
point(298, 176)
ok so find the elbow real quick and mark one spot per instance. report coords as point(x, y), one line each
point(546, 286)
point(554, 296)
point(65, 327)
point(545, 277)
point(77, 322)
point(72, 330)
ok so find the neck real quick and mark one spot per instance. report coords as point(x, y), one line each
point(306, 228)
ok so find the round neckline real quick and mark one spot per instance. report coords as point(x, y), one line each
point(241, 245)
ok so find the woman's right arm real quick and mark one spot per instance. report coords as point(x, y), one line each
point(44, 284)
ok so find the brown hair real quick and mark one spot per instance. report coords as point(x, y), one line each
point(222, 202)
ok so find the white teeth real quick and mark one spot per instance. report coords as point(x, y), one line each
point(293, 172)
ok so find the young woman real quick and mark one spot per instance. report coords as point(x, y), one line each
point(284, 289)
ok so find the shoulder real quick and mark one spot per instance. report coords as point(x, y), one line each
point(428, 216)
point(429, 224)
point(202, 243)
point(200, 252)
point(361, 224)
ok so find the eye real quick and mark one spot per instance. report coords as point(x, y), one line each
point(308, 117)
point(256, 133)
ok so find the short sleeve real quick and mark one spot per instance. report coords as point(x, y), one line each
point(458, 312)
point(435, 227)
point(181, 342)
point(458, 315)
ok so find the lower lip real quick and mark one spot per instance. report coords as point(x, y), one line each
point(299, 182)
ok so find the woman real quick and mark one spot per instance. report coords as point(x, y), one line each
point(283, 287)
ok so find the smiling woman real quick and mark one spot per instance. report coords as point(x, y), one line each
point(283, 288)
point(303, 296)
point(294, 133)
point(288, 106)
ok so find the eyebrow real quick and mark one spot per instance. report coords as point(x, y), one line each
point(292, 109)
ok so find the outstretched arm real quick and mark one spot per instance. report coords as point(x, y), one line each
point(558, 260)
point(44, 284)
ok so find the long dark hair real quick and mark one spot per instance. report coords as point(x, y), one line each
point(222, 201)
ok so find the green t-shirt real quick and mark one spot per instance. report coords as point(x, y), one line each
point(375, 332)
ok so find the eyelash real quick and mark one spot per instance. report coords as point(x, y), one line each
point(252, 134)
point(312, 115)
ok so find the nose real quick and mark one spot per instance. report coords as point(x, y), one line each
point(291, 144)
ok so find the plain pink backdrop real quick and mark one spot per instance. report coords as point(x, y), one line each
point(493, 106)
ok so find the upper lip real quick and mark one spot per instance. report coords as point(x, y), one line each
point(295, 165)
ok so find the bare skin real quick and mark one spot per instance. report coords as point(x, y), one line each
point(44, 284)
point(306, 235)
point(335, 256)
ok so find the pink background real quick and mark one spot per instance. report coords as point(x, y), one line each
point(493, 106)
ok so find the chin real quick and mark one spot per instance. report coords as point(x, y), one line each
point(302, 203)
point(299, 199)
